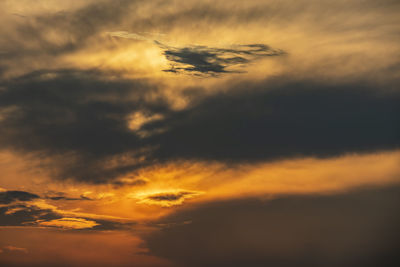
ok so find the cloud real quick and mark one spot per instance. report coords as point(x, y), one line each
point(212, 61)
point(7, 197)
point(275, 119)
point(69, 223)
point(167, 199)
point(81, 120)
point(7, 249)
point(206, 60)
point(43, 37)
point(356, 228)
point(23, 215)
point(129, 182)
point(78, 115)
point(34, 211)
point(35, 216)
point(85, 122)
point(67, 198)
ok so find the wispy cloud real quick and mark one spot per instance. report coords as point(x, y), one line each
point(167, 198)
point(69, 223)
point(21, 208)
point(206, 60)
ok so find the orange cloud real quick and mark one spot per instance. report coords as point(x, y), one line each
point(69, 223)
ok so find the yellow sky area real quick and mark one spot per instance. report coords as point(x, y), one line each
point(307, 175)
point(334, 53)
point(182, 183)
point(311, 53)
point(116, 248)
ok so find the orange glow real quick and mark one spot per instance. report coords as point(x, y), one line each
point(124, 124)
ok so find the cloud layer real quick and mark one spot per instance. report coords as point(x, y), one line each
point(21, 208)
point(82, 119)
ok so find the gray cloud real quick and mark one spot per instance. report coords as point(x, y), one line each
point(75, 114)
point(7, 197)
point(275, 119)
point(357, 228)
point(80, 120)
point(212, 61)
point(24, 215)
point(28, 214)
point(67, 198)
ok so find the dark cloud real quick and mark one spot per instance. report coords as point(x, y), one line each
point(358, 228)
point(205, 60)
point(212, 61)
point(169, 199)
point(169, 196)
point(80, 116)
point(55, 195)
point(23, 215)
point(7, 197)
point(79, 119)
point(276, 119)
point(67, 198)
point(32, 215)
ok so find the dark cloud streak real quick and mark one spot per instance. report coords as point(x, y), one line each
point(169, 196)
point(213, 61)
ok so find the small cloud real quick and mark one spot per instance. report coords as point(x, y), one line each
point(55, 195)
point(13, 249)
point(137, 120)
point(82, 197)
point(69, 223)
point(168, 199)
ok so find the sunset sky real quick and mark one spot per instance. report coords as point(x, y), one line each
point(199, 133)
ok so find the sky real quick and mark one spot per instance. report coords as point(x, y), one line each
point(199, 133)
